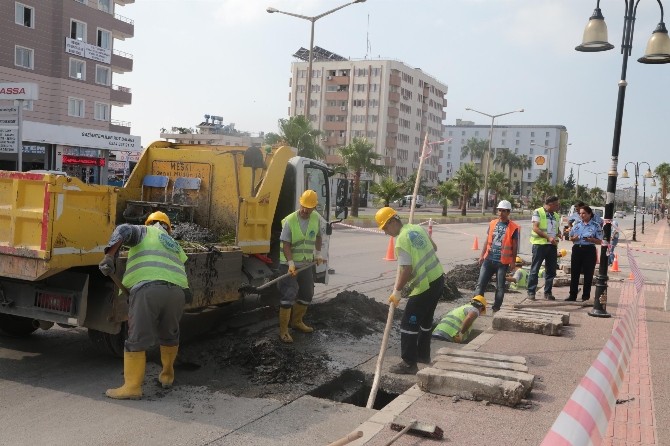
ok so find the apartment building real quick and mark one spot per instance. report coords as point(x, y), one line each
point(537, 142)
point(66, 49)
point(386, 101)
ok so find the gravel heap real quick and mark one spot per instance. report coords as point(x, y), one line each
point(191, 232)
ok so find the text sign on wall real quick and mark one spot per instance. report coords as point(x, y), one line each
point(9, 129)
point(19, 90)
point(88, 51)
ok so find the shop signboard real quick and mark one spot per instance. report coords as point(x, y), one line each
point(9, 129)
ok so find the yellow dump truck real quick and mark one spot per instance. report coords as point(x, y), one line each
point(54, 228)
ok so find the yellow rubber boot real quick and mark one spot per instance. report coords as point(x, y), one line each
point(284, 316)
point(299, 311)
point(168, 356)
point(134, 364)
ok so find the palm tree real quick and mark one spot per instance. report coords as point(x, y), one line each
point(468, 180)
point(476, 148)
point(297, 132)
point(387, 190)
point(359, 157)
point(523, 162)
point(505, 158)
point(498, 184)
point(447, 191)
point(596, 195)
point(662, 171)
point(408, 185)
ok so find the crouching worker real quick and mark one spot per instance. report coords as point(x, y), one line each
point(456, 325)
point(156, 278)
point(300, 246)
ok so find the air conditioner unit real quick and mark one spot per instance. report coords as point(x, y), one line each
point(330, 78)
point(343, 108)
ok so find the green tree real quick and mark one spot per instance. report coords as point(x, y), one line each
point(499, 185)
point(596, 195)
point(570, 181)
point(297, 132)
point(408, 185)
point(387, 190)
point(662, 171)
point(523, 162)
point(445, 193)
point(468, 180)
point(359, 157)
point(505, 158)
point(477, 149)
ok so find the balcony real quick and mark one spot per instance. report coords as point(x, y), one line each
point(394, 96)
point(120, 96)
point(389, 161)
point(393, 112)
point(334, 141)
point(395, 80)
point(335, 125)
point(119, 126)
point(424, 106)
point(333, 159)
point(121, 62)
point(337, 111)
point(336, 95)
point(392, 128)
point(124, 27)
point(124, 2)
point(391, 143)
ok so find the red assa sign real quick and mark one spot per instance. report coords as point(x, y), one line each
point(13, 90)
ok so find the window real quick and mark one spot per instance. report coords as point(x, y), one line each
point(104, 39)
point(103, 76)
point(503, 142)
point(546, 134)
point(75, 107)
point(23, 57)
point(101, 111)
point(24, 15)
point(78, 30)
point(77, 69)
point(532, 134)
point(105, 5)
point(531, 151)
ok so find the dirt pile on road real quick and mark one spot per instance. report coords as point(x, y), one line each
point(465, 277)
point(350, 312)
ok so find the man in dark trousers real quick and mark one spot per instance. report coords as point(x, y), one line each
point(422, 273)
point(544, 236)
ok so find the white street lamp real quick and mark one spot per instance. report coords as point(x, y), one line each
point(311, 45)
point(579, 166)
point(488, 153)
point(596, 174)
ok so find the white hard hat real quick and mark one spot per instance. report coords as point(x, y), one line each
point(504, 204)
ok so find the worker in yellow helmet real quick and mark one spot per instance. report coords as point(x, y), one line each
point(156, 278)
point(456, 325)
point(300, 245)
point(422, 273)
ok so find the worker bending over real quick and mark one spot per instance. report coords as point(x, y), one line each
point(456, 325)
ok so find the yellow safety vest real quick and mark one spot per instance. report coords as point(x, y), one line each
point(426, 266)
point(302, 244)
point(157, 257)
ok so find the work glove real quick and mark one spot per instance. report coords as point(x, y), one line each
point(107, 266)
point(319, 260)
point(458, 338)
point(394, 299)
point(291, 268)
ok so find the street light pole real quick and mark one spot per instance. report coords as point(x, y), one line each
point(311, 46)
point(657, 52)
point(579, 167)
point(488, 153)
point(596, 174)
point(647, 174)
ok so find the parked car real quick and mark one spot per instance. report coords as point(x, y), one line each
point(619, 214)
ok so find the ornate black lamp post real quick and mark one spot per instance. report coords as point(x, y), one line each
point(657, 52)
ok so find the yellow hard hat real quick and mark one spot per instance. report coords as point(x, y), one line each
point(384, 215)
point(308, 199)
point(563, 253)
point(479, 298)
point(158, 216)
point(519, 260)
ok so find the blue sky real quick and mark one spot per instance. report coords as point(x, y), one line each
point(494, 55)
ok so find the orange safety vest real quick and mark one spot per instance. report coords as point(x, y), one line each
point(506, 250)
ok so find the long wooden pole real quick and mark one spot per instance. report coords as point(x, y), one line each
point(389, 319)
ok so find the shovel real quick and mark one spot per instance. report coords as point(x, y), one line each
point(118, 283)
point(252, 289)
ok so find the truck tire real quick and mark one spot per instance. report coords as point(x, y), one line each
point(16, 325)
point(109, 344)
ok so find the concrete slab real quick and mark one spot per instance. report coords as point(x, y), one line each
point(480, 355)
point(469, 386)
point(526, 379)
point(510, 321)
point(565, 316)
point(503, 365)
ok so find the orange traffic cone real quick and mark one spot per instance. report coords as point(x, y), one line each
point(475, 245)
point(615, 264)
point(390, 251)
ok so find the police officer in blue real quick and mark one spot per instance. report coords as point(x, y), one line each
point(585, 235)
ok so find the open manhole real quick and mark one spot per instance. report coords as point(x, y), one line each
point(351, 387)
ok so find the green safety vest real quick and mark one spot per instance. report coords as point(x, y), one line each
point(426, 266)
point(522, 283)
point(536, 239)
point(452, 322)
point(157, 257)
point(302, 244)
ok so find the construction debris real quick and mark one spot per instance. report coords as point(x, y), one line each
point(544, 322)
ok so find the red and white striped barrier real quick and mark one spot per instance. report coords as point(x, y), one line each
point(584, 419)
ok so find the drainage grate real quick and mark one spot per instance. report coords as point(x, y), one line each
point(351, 388)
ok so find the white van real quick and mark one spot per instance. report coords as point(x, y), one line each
point(419, 200)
